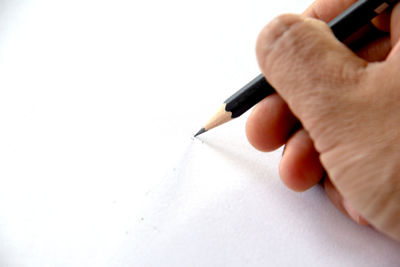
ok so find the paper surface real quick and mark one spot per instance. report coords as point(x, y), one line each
point(98, 103)
point(220, 207)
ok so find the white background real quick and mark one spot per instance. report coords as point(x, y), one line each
point(98, 103)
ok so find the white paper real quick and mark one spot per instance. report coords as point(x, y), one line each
point(98, 104)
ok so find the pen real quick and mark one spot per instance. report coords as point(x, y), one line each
point(346, 23)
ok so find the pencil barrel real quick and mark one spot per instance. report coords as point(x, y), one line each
point(356, 16)
point(248, 96)
point(343, 26)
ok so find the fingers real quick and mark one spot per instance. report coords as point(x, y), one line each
point(341, 204)
point(268, 129)
point(270, 124)
point(300, 168)
point(326, 10)
point(308, 67)
point(367, 43)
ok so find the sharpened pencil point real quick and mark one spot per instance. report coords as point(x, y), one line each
point(202, 130)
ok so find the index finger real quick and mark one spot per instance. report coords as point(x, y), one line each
point(326, 10)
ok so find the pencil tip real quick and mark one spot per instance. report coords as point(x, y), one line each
point(202, 130)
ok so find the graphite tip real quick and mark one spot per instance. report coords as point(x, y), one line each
point(202, 130)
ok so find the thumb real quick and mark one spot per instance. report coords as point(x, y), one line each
point(308, 67)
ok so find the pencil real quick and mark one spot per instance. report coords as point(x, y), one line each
point(348, 22)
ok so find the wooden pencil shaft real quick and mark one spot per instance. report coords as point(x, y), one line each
point(219, 118)
point(348, 22)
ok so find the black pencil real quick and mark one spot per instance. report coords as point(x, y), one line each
point(347, 23)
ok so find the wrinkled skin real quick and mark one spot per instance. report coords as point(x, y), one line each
point(336, 111)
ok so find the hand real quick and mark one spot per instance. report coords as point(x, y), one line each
point(337, 111)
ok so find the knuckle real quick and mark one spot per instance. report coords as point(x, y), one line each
point(278, 41)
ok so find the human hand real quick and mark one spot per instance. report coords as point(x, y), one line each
point(337, 112)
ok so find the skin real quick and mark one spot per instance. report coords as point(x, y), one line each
point(336, 111)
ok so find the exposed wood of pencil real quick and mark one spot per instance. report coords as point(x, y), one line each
point(220, 117)
point(348, 22)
